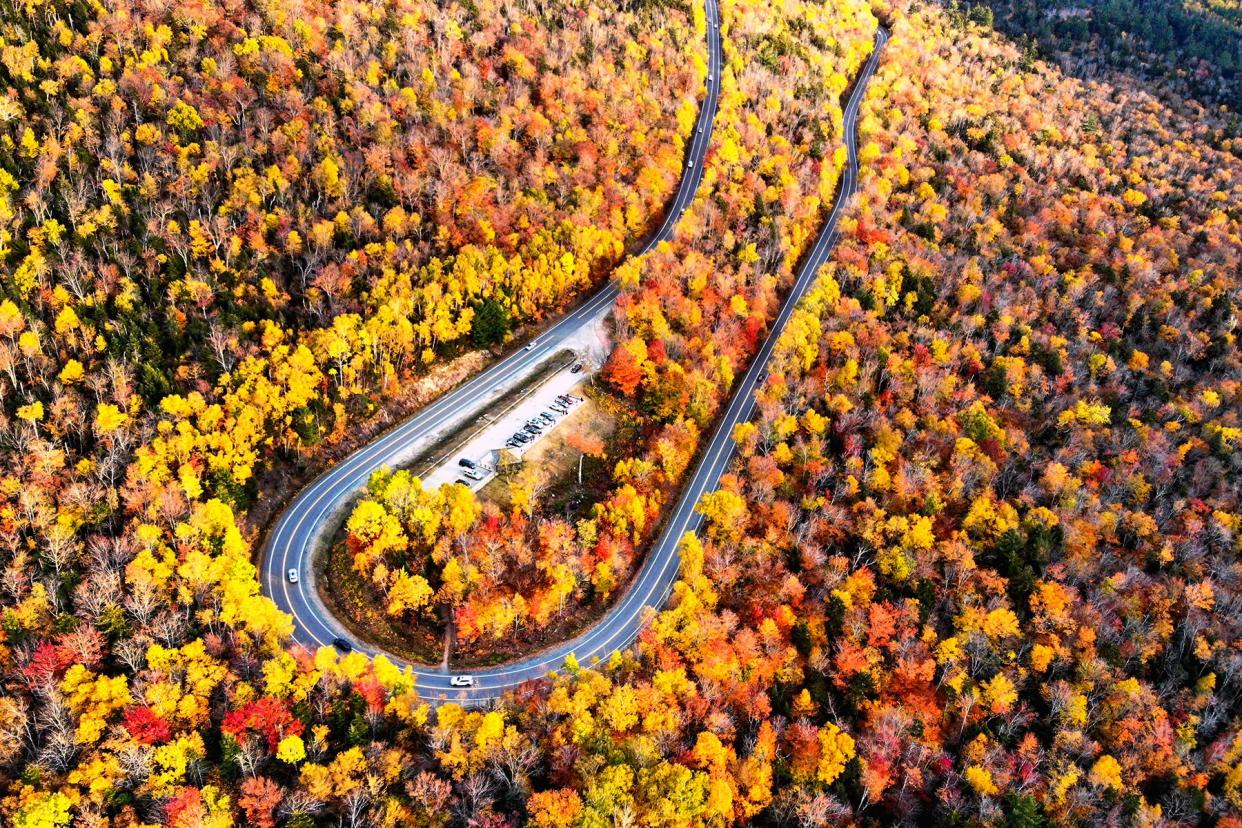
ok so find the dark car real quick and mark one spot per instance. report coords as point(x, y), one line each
point(577, 369)
point(342, 645)
point(469, 464)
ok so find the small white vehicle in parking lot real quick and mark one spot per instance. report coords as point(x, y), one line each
point(293, 576)
point(462, 681)
point(472, 474)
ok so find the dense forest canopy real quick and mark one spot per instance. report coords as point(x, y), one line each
point(1193, 47)
point(977, 559)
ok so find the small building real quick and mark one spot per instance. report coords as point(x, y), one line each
point(507, 462)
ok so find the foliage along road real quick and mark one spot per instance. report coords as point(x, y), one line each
point(306, 522)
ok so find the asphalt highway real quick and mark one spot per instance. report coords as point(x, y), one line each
point(300, 528)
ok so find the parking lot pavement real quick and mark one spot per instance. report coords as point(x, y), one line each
point(482, 449)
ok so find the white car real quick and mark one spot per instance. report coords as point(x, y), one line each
point(462, 681)
point(472, 474)
point(293, 576)
point(530, 346)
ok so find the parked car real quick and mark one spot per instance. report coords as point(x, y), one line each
point(462, 681)
point(577, 369)
point(293, 576)
point(472, 474)
point(466, 464)
point(343, 645)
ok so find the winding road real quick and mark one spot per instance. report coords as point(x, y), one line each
point(305, 523)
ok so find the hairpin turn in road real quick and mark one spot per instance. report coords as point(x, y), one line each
point(307, 521)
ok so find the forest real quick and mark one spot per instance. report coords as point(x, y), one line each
point(1194, 47)
point(976, 561)
point(682, 337)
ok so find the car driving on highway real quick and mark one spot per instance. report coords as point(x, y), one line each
point(462, 681)
point(293, 576)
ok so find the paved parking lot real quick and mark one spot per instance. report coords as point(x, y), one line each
point(483, 447)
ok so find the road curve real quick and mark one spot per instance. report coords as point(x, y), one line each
point(300, 526)
point(304, 523)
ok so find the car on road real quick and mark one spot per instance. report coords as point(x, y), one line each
point(342, 645)
point(462, 681)
point(530, 346)
point(464, 463)
point(293, 576)
point(577, 369)
point(472, 474)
